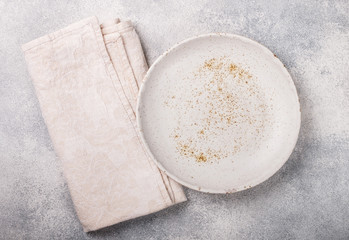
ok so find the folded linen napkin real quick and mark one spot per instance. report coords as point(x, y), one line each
point(86, 78)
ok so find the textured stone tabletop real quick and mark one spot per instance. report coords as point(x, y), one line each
point(307, 199)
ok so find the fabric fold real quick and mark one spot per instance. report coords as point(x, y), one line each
point(86, 77)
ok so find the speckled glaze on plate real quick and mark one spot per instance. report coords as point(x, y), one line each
point(219, 113)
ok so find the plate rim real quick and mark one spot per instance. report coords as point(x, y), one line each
point(255, 181)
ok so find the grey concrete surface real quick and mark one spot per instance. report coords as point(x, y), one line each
point(307, 199)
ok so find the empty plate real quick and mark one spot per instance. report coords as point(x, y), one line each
point(218, 113)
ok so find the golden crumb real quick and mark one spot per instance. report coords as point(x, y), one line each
point(201, 158)
point(232, 68)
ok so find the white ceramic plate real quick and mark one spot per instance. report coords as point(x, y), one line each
point(218, 113)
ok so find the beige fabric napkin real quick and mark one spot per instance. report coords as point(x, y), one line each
point(86, 78)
